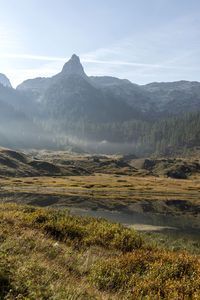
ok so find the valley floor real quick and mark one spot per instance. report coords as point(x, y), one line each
point(149, 200)
point(48, 253)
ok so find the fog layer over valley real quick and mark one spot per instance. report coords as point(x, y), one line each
point(99, 114)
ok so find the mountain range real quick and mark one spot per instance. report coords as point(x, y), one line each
point(72, 104)
point(128, 100)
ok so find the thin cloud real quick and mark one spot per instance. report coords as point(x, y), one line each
point(36, 57)
point(125, 63)
point(9, 39)
point(134, 64)
point(50, 58)
point(87, 60)
point(173, 47)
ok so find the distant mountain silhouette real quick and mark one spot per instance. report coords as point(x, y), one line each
point(74, 91)
point(72, 105)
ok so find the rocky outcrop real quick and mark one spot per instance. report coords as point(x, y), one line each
point(5, 81)
point(178, 174)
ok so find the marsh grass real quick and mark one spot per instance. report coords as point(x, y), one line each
point(174, 241)
point(109, 190)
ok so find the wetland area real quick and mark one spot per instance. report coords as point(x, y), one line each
point(134, 192)
point(44, 237)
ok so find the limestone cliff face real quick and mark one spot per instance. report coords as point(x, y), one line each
point(73, 66)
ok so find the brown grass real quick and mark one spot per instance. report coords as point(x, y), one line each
point(47, 254)
point(109, 190)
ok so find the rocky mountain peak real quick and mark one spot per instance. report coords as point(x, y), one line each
point(73, 66)
point(5, 81)
point(75, 57)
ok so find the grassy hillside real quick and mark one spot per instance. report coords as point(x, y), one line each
point(13, 164)
point(49, 254)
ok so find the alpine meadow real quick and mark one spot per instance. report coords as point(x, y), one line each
point(99, 150)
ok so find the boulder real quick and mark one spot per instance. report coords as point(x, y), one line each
point(178, 174)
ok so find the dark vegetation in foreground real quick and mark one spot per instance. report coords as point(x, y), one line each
point(50, 254)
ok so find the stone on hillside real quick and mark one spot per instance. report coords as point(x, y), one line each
point(178, 174)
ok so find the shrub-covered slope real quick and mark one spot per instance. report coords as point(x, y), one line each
point(49, 254)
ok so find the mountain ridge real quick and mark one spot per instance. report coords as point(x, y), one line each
point(152, 100)
point(101, 112)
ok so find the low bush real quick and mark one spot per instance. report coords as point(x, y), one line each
point(85, 231)
point(158, 274)
point(50, 254)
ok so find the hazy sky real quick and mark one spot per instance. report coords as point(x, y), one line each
point(142, 40)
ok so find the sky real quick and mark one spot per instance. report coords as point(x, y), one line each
point(141, 40)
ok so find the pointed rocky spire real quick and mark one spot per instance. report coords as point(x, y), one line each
point(73, 66)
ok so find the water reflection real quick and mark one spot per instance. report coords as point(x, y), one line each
point(148, 222)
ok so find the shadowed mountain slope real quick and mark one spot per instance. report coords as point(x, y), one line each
point(151, 101)
point(14, 163)
point(73, 108)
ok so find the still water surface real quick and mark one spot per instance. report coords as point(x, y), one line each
point(147, 222)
